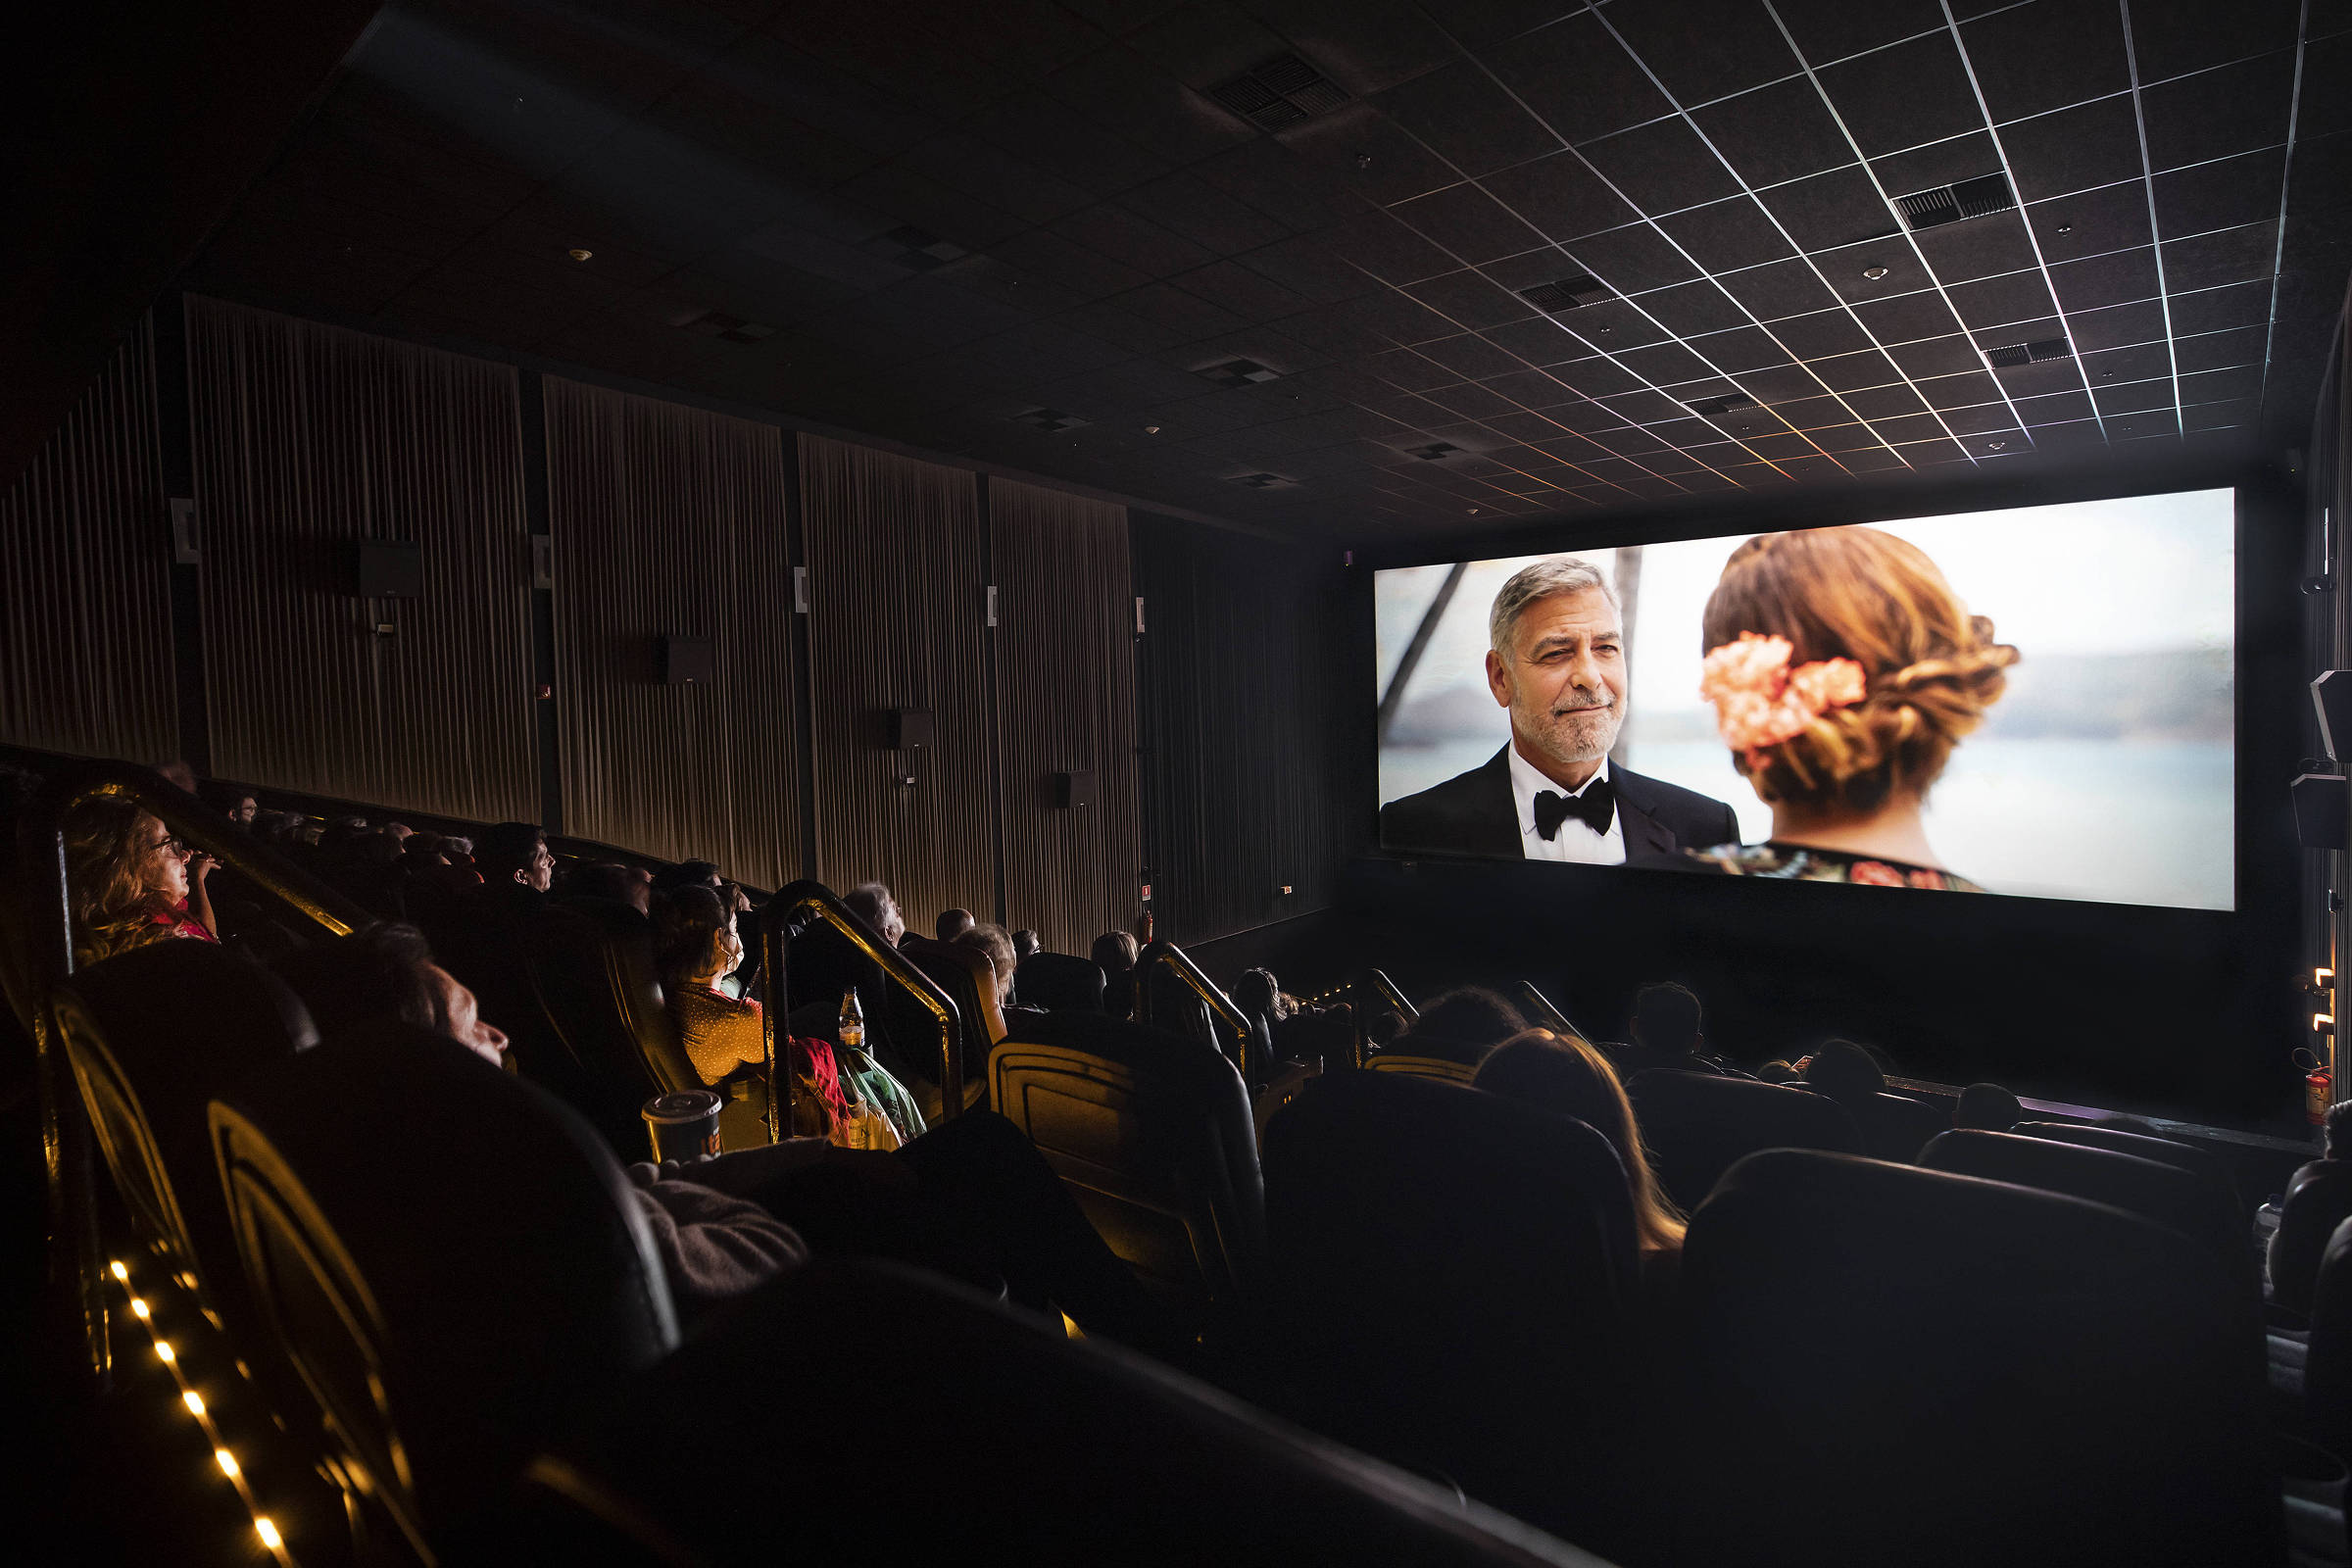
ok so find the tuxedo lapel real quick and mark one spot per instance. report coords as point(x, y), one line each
point(1498, 809)
point(1645, 834)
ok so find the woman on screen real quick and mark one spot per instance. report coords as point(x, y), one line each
point(1844, 670)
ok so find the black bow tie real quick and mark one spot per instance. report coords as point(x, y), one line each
point(1595, 808)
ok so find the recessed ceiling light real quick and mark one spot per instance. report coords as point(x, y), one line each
point(1994, 446)
point(1151, 429)
point(581, 255)
point(2066, 228)
point(1874, 273)
point(1473, 511)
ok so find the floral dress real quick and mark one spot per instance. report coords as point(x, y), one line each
point(1799, 863)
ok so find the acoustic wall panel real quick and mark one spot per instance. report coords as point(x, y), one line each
point(1065, 697)
point(86, 578)
point(896, 606)
point(1252, 741)
point(308, 441)
point(669, 528)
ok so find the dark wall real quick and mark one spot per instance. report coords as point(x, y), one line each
point(2163, 1009)
point(1252, 726)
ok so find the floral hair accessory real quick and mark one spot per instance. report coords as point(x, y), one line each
point(1759, 701)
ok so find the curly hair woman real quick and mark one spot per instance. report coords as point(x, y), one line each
point(1843, 670)
point(132, 881)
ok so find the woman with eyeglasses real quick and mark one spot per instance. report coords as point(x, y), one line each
point(132, 881)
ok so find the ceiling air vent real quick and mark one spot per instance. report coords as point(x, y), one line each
point(1050, 420)
point(1432, 452)
point(922, 250)
point(1948, 204)
point(730, 329)
point(1262, 481)
point(1278, 92)
point(1240, 373)
point(1567, 293)
point(2012, 354)
point(1710, 406)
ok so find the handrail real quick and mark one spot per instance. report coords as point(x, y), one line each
point(1552, 1018)
point(775, 933)
point(1396, 998)
point(1221, 1006)
point(47, 895)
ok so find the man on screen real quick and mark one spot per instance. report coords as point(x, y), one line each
point(1556, 659)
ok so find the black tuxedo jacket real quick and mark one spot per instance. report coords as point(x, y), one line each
point(1476, 813)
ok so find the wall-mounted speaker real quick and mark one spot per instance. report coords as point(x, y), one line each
point(2323, 810)
point(910, 728)
point(1075, 789)
point(689, 661)
point(2332, 702)
point(389, 568)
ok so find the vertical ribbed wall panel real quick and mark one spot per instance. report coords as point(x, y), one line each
point(1253, 737)
point(86, 578)
point(309, 439)
point(896, 621)
point(668, 521)
point(1065, 694)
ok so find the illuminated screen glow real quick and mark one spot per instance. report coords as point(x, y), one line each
point(2106, 771)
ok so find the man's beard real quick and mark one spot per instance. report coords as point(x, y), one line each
point(1582, 735)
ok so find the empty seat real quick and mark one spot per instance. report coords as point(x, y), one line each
point(2165, 1193)
point(1895, 1126)
point(152, 1036)
point(2202, 1163)
point(1042, 1452)
point(447, 1253)
point(2328, 1367)
point(1059, 983)
point(1153, 1137)
point(1451, 1272)
point(1699, 1125)
point(1891, 1365)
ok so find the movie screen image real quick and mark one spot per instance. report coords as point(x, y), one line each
point(2036, 701)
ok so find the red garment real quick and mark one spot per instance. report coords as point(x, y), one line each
point(179, 923)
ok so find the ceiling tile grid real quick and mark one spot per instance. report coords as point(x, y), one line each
point(1508, 257)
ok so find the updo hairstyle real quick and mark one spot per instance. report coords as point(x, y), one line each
point(1930, 668)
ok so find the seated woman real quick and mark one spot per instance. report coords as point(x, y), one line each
point(2319, 1198)
point(1843, 670)
point(132, 881)
point(1115, 954)
point(1562, 1073)
point(971, 1198)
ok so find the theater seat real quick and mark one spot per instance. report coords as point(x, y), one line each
point(1441, 1068)
point(1036, 1451)
point(1889, 1365)
point(1450, 1273)
point(2328, 1365)
point(152, 1036)
point(970, 982)
point(1153, 1137)
point(1058, 982)
point(2205, 1166)
point(447, 1253)
point(1898, 1127)
point(1699, 1125)
point(2165, 1193)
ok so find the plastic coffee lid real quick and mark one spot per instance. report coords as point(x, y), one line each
point(687, 1105)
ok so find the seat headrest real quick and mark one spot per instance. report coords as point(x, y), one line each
point(1129, 1044)
point(2164, 1150)
point(1773, 1112)
point(193, 1006)
point(1059, 983)
point(484, 1218)
point(2163, 1193)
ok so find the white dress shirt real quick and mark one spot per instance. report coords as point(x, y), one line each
point(1574, 841)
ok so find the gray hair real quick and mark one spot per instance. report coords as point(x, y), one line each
point(871, 903)
point(1555, 574)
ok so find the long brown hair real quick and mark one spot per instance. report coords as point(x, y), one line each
point(1564, 1074)
point(1930, 668)
point(110, 867)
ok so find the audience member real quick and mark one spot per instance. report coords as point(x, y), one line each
point(696, 947)
point(1847, 1073)
point(1988, 1107)
point(516, 854)
point(133, 882)
point(972, 1198)
point(1257, 993)
point(178, 773)
point(1114, 954)
point(952, 924)
point(238, 805)
point(991, 938)
point(871, 903)
point(1564, 1074)
point(687, 874)
point(610, 884)
point(458, 849)
point(1025, 945)
point(1667, 1029)
point(2319, 1198)
point(1461, 1025)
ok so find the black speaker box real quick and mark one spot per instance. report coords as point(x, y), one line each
point(389, 568)
point(686, 661)
point(2321, 807)
point(910, 728)
point(1075, 789)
